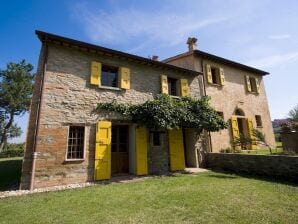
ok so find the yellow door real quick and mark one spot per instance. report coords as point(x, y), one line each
point(102, 169)
point(251, 135)
point(141, 151)
point(176, 149)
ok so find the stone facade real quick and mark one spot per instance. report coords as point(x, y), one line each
point(283, 167)
point(69, 99)
point(232, 95)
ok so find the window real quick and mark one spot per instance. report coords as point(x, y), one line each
point(215, 75)
point(109, 76)
point(120, 138)
point(172, 86)
point(220, 113)
point(253, 84)
point(156, 141)
point(259, 120)
point(76, 137)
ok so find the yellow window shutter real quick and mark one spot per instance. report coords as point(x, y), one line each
point(141, 151)
point(102, 169)
point(208, 73)
point(222, 76)
point(248, 86)
point(164, 84)
point(235, 129)
point(251, 133)
point(176, 150)
point(124, 78)
point(184, 87)
point(257, 85)
point(95, 73)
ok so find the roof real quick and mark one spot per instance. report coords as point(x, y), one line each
point(43, 37)
point(218, 59)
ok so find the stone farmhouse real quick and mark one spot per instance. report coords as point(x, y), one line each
point(67, 142)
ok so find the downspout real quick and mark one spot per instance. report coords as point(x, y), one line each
point(202, 66)
point(37, 121)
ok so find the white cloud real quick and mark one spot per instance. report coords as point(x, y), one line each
point(274, 60)
point(128, 25)
point(279, 37)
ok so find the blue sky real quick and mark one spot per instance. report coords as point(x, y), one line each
point(257, 33)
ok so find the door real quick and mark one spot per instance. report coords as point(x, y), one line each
point(102, 168)
point(120, 139)
point(176, 149)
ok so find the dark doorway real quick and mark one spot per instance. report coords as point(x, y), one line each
point(120, 148)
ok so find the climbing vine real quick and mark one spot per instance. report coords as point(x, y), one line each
point(165, 112)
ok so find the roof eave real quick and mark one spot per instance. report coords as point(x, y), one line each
point(43, 36)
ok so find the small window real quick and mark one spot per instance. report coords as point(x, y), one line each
point(220, 113)
point(76, 137)
point(253, 84)
point(215, 75)
point(259, 121)
point(156, 141)
point(109, 76)
point(172, 86)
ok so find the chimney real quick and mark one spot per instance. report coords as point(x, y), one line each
point(155, 58)
point(192, 43)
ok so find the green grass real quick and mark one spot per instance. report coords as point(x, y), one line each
point(263, 151)
point(10, 173)
point(203, 198)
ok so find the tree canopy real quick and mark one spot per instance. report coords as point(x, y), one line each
point(16, 85)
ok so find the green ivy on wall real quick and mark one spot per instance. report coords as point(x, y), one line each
point(165, 112)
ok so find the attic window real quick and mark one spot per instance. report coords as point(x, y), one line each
point(253, 84)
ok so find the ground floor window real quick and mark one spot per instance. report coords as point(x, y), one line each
point(259, 120)
point(75, 149)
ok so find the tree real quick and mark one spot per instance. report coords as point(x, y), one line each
point(293, 114)
point(16, 85)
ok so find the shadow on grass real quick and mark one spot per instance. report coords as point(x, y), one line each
point(271, 179)
point(10, 173)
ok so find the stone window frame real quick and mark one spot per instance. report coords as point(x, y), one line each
point(85, 142)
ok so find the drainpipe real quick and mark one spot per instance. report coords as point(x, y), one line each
point(37, 121)
point(202, 66)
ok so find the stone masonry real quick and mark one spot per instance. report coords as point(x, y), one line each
point(230, 96)
point(69, 99)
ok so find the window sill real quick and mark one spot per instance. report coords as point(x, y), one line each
point(110, 88)
point(176, 97)
point(74, 160)
point(215, 85)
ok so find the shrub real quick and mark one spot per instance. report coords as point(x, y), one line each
point(13, 150)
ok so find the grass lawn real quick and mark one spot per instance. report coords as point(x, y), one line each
point(10, 173)
point(203, 198)
point(277, 150)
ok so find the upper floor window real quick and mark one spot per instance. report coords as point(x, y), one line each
point(109, 76)
point(76, 136)
point(172, 86)
point(215, 75)
point(252, 84)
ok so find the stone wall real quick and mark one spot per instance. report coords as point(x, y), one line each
point(158, 156)
point(69, 99)
point(283, 167)
point(230, 96)
point(290, 141)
